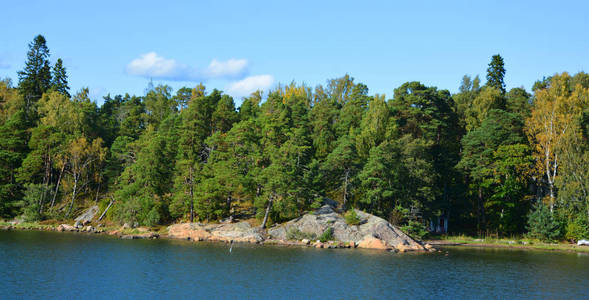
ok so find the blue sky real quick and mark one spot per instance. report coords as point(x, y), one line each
point(116, 46)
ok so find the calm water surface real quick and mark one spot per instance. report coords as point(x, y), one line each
point(48, 265)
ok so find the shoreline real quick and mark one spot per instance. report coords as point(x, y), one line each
point(570, 248)
point(146, 233)
point(140, 233)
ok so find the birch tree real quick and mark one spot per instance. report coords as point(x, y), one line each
point(555, 108)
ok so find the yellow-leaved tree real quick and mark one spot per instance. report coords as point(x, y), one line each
point(551, 121)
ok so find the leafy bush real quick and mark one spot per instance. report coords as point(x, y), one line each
point(542, 225)
point(317, 203)
point(31, 199)
point(576, 229)
point(398, 215)
point(415, 229)
point(152, 218)
point(295, 234)
point(351, 217)
point(327, 235)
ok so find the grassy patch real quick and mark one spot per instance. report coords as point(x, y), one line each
point(28, 226)
point(327, 235)
point(295, 234)
point(351, 217)
point(515, 242)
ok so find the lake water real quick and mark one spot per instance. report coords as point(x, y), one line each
point(46, 265)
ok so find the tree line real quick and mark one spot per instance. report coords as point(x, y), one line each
point(486, 159)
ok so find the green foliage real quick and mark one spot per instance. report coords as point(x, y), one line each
point(12, 152)
point(32, 201)
point(519, 102)
point(145, 185)
point(499, 166)
point(35, 78)
point(542, 225)
point(577, 229)
point(340, 169)
point(59, 80)
point(415, 229)
point(373, 127)
point(159, 104)
point(327, 235)
point(376, 179)
point(351, 217)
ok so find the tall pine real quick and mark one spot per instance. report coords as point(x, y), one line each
point(35, 79)
point(59, 81)
point(496, 73)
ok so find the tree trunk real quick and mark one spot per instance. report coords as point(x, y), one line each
point(267, 213)
point(106, 210)
point(551, 177)
point(191, 198)
point(228, 203)
point(73, 196)
point(57, 186)
point(97, 192)
point(46, 179)
point(483, 222)
point(347, 176)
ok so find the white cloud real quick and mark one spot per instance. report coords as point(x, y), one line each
point(231, 68)
point(249, 85)
point(152, 65)
point(155, 66)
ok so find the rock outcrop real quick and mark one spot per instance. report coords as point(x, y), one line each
point(87, 216)
point(147, 235)
point(370, 242)
point(66, 227)
point(237, 232)
point(372, 232)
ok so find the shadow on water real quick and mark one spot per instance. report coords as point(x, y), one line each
point(58, 265)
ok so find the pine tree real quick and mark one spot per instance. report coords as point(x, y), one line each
point(59, 82)
point(481, 161)
point(35, 79)
point(496, 72)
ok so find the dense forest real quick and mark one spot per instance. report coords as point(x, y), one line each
point(488, 160)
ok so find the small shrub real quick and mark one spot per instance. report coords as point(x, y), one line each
point(415, 229)
point(317, 203)
point(295, 234)
point(576, 230)
point(351, 217)
point(542, 225)
point(327, 235)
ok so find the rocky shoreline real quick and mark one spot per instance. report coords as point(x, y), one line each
point(324, 228)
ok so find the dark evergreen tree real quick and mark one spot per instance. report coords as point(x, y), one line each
point(13, 147)
point(59, 81)
point(35, 79)
point(484, 155)
point(496, 73)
